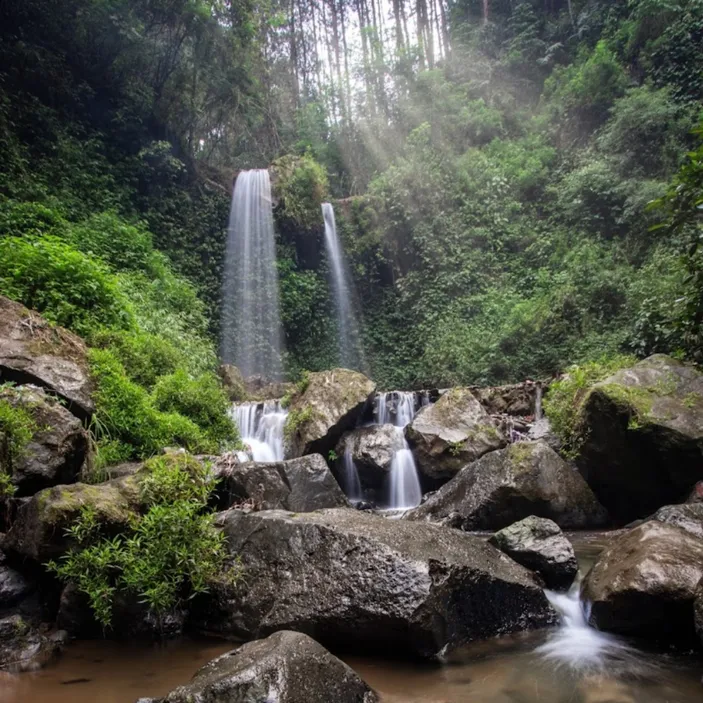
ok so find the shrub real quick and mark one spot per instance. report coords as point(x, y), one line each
point(17, 426)
point(21, 219)
point(68, 287)
point(201, 399)
point(172, 551)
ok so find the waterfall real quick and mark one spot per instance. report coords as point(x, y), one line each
point(261, 428)
point(538, 403)
point(397, 408)
point(251, 321)
point(350, 352)
point(350, 477)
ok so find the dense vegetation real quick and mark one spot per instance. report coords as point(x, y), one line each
point(492, 163)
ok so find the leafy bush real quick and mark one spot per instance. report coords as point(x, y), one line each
point(201, 399)
point(565, 397)
point(301, 186)
point(17, 426)
point(68, 287)
point(21, 219)
point(171, 552)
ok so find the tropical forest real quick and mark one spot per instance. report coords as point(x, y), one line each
point(351, 351)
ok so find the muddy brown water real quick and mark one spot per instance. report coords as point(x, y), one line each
point(574, 664)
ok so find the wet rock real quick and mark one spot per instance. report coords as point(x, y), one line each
point(538, 544)
point(34, 351)
point(299, 485)
point(451, 433)
point(504, 486)
point(233, 382)
point(346, 576)
point(13, 586)
point(516, 399)
point(643, 436)
point(644, 583)
point(26, 648)
point(372, 449)
point(688, 516)
point(58, 446)
point(286, 667)
point(39, 529)
point(698, 611)
point(331, 404)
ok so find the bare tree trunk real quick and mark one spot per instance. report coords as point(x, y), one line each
point(294, 55)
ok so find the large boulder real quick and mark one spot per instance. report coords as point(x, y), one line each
point(286, 667)
point(688, 516)
point(34, 351)
point(539, 544)
point(58, 446)
point(372, 449)
point(644, 583)
point(451, 433)
point(502, 487)
point(642, 432)
point(330, 404)
point(26, 648)
point(39, 529)
point(300, 485)
point(354, 578)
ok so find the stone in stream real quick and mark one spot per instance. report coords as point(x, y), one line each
point(32, 350)
point(504, 486)
point(372, 449)
point(642, 432)
point(356, 579)
point(287, 667)
point(452, 432)
point(538, 544)
point(27, 648)
point(644, 583)
point(300, 485)
point(58, 445)
point(688, 516)
point(331, 404)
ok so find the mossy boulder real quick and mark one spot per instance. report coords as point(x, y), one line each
point(330, 403)
point(451, 433)
point(641, 435)
point(32, 350)
point(644, 583)
point(24, 647)
point(299, 185)
point(507, 485)
point(57, 444)
point(39, 529)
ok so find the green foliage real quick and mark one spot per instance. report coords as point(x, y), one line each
point(17, 426)
point(296, 419)
point(565, 397)
point(171, 552)
point(301, 187)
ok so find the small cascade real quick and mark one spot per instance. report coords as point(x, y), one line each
point(251, 320)
point(261, 428)
point(350, 351)
point(576, 644)
point(350, 478)
point(397, 408)
point(538, 403)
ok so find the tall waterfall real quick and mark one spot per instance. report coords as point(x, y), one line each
point(398, 408)
point(251, 320)
point(350, 352)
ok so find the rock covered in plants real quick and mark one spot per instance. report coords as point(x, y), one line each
point(359, 579)
point(24, 647)
point(287, 667)
point(688, 516)
point(57, 444)
point(644, 583)
point(504, 486)
point(233, 382)
point(34, 351)
point(372, 449)
point(329, 404)
point(642, 431)
point(301, 485)
point(39, 529)
point(451, 433)
point(540, 545)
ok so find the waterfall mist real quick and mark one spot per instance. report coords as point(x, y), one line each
point(251, 320)
point(350, 351)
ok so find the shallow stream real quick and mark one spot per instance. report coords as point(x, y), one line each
point(574, 664)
